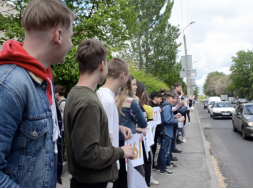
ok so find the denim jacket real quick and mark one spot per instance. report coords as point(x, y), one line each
point(168, 119)
point(133, 115)
point(26, 128)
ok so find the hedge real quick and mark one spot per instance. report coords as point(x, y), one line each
point(152, 83)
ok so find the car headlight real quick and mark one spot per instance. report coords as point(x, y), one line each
point(250, 124)
point(216, 111)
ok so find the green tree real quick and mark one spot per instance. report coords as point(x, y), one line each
point(242, 73)
point(111, 21)
point(154, 44)
point(210, 83)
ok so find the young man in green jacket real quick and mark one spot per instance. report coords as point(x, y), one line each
point(91, 156)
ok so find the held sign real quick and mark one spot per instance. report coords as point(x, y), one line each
point(157, 115)
point(137, 146)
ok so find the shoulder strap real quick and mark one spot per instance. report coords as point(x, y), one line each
point(64, 100)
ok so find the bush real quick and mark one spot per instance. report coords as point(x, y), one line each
point(152, 83)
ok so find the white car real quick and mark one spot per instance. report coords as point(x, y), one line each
point(210, 104)
point(222, 110)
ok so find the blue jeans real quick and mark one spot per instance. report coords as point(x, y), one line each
point(174, 138)
point(163, 154)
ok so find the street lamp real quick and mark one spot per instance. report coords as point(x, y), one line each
point(186, 62)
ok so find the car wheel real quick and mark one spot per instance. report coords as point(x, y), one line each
point(244, 136)
point(211, 115)
point(208, 111)
point(234, 129)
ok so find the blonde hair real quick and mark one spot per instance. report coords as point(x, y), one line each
point(122, 94)
point(44, 14)
point(116, 66)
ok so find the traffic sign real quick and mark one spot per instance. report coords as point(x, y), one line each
point(192, 73)
point(189, 62)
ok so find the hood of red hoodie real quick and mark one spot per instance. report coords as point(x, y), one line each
point(14, 53)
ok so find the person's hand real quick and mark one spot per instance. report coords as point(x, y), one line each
point(179, 100)
point(128, 151)
point(126, 132)
point(181, 119)
point(160, 110)
point(144, 131)
point(179, 115)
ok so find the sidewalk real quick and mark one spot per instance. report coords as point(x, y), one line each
point(194, 168)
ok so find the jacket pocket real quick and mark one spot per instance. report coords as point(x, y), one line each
point(32, 136)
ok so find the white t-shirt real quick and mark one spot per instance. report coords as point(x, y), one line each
point(106, 97)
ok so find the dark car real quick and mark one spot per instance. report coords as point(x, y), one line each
point(205, 104)
point(241, 101)
point(242, 120)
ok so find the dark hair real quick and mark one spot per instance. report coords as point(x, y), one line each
point(163, 90)
point(90, 54)
point(60, 89)
point(145, 99)
point(155, 94)
point(141, 87)
point(177, 84)
point(116, 66)
point(172, 88)
point(169, 94)
point(131, 78)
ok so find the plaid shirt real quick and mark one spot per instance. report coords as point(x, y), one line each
point(177, 106)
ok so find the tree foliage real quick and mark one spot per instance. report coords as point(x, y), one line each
point(242, 73)
point(154, 44)
point(110, 21)
point(215, 84)
point(152, 83)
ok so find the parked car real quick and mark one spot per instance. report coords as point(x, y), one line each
point(242, 120)
point(210, 106)
point(205, 104)
point(235, 101)
point(241, 101)
point(222, 110)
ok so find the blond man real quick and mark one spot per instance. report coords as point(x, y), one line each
point(30, 123)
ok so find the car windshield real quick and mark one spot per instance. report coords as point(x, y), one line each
point(242, 99)
point(248, 110)
point(223, 105)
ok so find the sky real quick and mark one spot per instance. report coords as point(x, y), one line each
point(221, 28)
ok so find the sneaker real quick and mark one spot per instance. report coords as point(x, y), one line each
point(172, 165)
point(184, 140)
point(157, 170)
point(154, 182)
point(176, 151)
point(189, 123)
point(173, 159)
point(167, 172)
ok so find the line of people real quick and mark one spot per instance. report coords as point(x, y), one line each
point(96, 123)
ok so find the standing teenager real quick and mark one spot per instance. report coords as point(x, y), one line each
point(131, 116)
point(91, 156)
point(140, 93)
point(156, 100)
point(30, 122)
point(166, 134)
point(118, 74)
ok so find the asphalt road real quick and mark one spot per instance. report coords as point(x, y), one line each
point(234, 154)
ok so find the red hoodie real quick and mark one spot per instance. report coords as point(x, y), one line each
point(13, 53)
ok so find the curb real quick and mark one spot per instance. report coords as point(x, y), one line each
point(214, 179)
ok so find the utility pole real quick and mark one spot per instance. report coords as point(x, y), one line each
point(187, 68)
point(188, 83)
